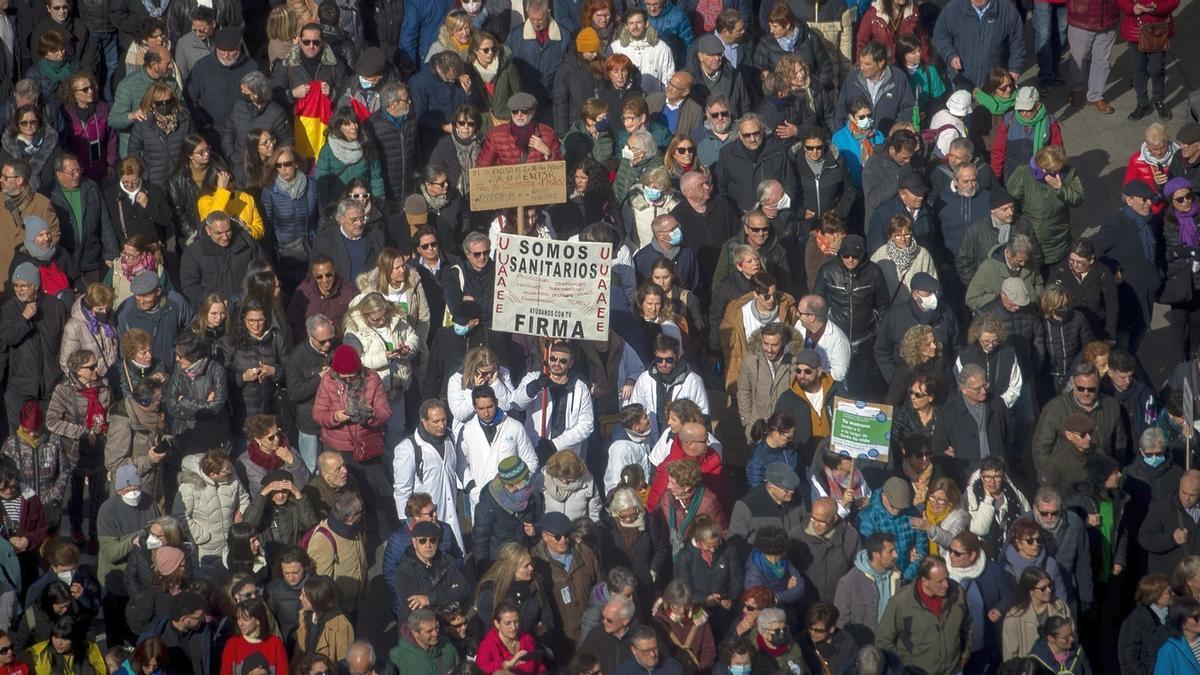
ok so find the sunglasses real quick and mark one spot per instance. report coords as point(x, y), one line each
point(557, 537)
point(918, 394)
point(465, 123)
point(813, 148)
point(751, 134)
point(557, 359)
point(478, 254)
point(804, 370)
point(849, 256)
point(6, 649)
point(664, 359)
point(759, 230)
point(361, 196)
point(426, 247)
point(1032, 540)
point(1048, 514)
point(88, 367)
point(1043, 587)
point(719, 113)
point(311, 43)
point(85, 89)
point(426, 540)
point(487, 50)
point(521, 111)
point(685, 151)
point(284, 165)
point(327, 275)
point(1184, 199)
point(1087, 390)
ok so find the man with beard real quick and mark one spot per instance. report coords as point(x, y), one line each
point(765, 305)
point(957, 206)
point(810, 403)
point(557, 405)
point(716, 132)
point(670, 378)
point(330, 481)
point(523, 141)
point(991, 230)
point(765, 373)
point(427, 462)
point(186, 635)
point(650, 55)
point(922, 307)
point(1013, 261)
point(211, 80)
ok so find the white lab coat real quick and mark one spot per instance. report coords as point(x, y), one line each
point(483, 459)
point(645, 391)
point(580, 418)
point(438, 477)
point(459, 399)
point(834, 349)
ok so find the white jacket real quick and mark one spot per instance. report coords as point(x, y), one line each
point(207, 508)
point(437, 477)
point(654, 62)
point(576, 499)
point(459, 398)
point(621, 453)
point(1015, 383)
point(943, 118)
point(580, 418)
point(645, 391)
point(374, 341)
point(834, 349)
point(483, 459)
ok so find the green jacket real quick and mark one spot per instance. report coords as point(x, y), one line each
point(791, 662)
point(991, 273)
point(1047, 210)
point(128, 98)
point(628, 175)
point(578, 143)
point(333, 176)
point(934, 645)
point(412, 660)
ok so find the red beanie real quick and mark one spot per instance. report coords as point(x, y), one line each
point(31, 416)
point(345, 360)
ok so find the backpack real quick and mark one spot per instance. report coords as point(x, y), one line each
point(929, 139)
point(308, 535)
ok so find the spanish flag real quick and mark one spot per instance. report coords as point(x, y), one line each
point(312, 117)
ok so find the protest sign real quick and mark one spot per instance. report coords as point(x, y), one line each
point(548, 288)
point(506, 187)
point(861, 429)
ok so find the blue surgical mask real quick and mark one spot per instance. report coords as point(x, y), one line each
point(676, 237)
point(863, 123)
point(1154, 460)
point(460, 329)
point(602, 125)
point(740, 670)
point(365, 83)
point(651, 194)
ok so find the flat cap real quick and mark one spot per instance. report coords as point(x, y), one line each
point(228, 39)
point(522, 101)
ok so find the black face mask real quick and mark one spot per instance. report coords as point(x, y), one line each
point(163, 107)
point(778, 637)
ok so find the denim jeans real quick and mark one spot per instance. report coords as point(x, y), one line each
point(106, 45)
point(310, 447)
point(1151, 66)
point(1050, 37)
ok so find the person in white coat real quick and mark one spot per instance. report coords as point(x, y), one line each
point(210, 500)
point(481, 367)
point(650, 55)
point(568, 487)
point(388, 344)
point(557, 405)
point(680, 412)
point(630, 444)
point(668, 380)
point(488, 437)
point(427, 462)
point(818, 333)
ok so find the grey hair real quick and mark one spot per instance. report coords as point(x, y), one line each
point(474, 238)
point(968, 165)
point(543, 5)
point(620, 578)
point(742, 250)
point(391, 91)
point(870, 660)
point(1084, 369)
point(170, 527)
point(26, 88)
point(366, 648)
point(625, 606)
point(418, 617)
point(258, 85)
point(624, 498)
point(641, 140)
point(970, 372)
point(1047, 495)
point(346, 205)
point(1152, 438)
point(449, 62)
point(677, 593)
point(963, 143)
point(312, 323)
point(748, 117)
point(346, 505)
point(1187, 567)
point(769, 616)
point(216, 217)
point(1018, 243)
point(764, 187)
point(817, 305)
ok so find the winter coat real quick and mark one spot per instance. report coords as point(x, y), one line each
point(290, 73)
point(373, 349)
point(759, 385)
point(651, 56)
point(576, 499)
point(723, 576)
point(500, 147)
point(1155, 535)
point(44, 467)
point(243, 117)
point(1021, 627)
point(857, 298)
point(80, 134)
point(980, 241)
point(165, 324)
point(573, 84)
point(933, 644)
point(899, 319)
point(758, 510)
point(337, 634)
point(254, 397)
point(807, 47)
point(30, 346)
point(159, 151)
point(396, 143)
point(1175, 657)
point(1131, 24)
point(495, 526)
point(875, 518)
point(894, 102)
point(492, 97)
point(985, 285)
point(207, 268)
point(726, 81)
point(365, 441)
point(302, 373)
point(78, 335)
point(129, 442)
point(997, 40)
point(210, 90)
point(1146, 484)
point(414, 660)
point(82, 241)
point(207, 508)
point(957, 429)
point(733, 338)
point(832, 190)
point(1065, 339)
point(65, 418)
point(876, 26)
point(1142, 636)
point(290, 220)
point(279, 526)
point(536, 63)
point(573, 583)
point(40, 657)
point(650, 558)
point(419, 31)
point(331, 242)
point(333, 175)
point(343, 559)
point(118, 525)
point(738, 172)
point(433, 103)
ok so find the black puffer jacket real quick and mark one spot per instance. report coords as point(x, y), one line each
point(252, 398)
point(1141, 636)
point(96, 15)
point(184, 196)
point(243, 117)
point(196, 422)
point(1063, 341)
point(857, 298)
point(807, 48)
point(574, 84)
point(208, 268)
point(533, 607)
point(832, 190)
point(496, 526)
point(158, 151)
point(442, 582)
point(397, 147)
point(723, 577)
point(30, 347)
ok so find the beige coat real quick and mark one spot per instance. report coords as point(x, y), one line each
point(76, 336)
point(1020, 629)
point(343, 560)
point(12, 233)
point(129, 442)
point(757, 387)
point(733, 333)
point(334, 641)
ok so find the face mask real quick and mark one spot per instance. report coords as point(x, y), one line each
point(864, 123)
point(929, 303)
point(740, 670)
point(676, 236)
point(637, 437)
point(602, 126)
point(1154, 460)
point(785, 202)
point(627, 153)
point(460, 329)
point(162, 107)
point(65, 577)
point(365, 83)
point(472, 7)
point(153, 542)
point(651, 194)
point(132, 498)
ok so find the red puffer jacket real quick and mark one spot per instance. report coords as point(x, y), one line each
point(500, 147)
point(876, 27)
point(1096, 16)
point(1140, 169)
point(1129, 23)
point(364, 440)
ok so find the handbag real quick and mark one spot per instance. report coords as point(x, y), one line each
point(1154, 36)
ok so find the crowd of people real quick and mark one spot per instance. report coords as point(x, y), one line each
point(251, 380)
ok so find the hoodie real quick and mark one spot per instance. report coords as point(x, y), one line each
point(885, 583)
point(576, 498)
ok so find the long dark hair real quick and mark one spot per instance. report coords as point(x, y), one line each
point(259, 285)
point(257, 170)
point(239, 335)
point(1030, 578)
point(240, 552)
point(190, 143)
point(67, 628)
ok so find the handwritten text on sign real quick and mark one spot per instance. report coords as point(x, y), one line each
point(504, 187)
point(556, 289)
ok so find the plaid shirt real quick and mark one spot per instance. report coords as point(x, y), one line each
point(875, 518)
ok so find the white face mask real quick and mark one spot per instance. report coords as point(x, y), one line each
point(132, 497)
point(627, 153)
point(785, 202)
point(929, 303)
point(153, 542)
point(65, 577)
point(472, 6)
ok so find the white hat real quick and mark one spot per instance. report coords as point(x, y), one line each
point(960, 103)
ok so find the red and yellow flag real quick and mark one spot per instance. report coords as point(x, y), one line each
point(312, 117)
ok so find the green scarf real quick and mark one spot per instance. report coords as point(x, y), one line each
point(677, 530)
point(73, 199)
point(1039, 125)
point(56, 71)
point(995, 104)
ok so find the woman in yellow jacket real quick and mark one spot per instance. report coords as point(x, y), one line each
point(218, 194)
point(68, 651)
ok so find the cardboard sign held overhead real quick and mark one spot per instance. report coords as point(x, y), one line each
point(506, 187)
point(556, 289)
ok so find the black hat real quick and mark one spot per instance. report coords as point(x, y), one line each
point(228, 39)
point(253, 662)
point(371, 62)
point(808, 357)
point(274, 475)
point(914, 184)
point(467, 310)
point(924, 281)
point(1136, 188)
point(853, 245)
point(426, 529)
point(999, 197)
point(1188, 134)
point(556, 523)
point(186, 603)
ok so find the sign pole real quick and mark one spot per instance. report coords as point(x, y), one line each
point(521, 220)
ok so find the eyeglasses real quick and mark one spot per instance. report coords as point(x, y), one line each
point(430, 513)
point(91, 366)
point(479, 254)
point(1043, 587)
point(440, 183)
point(1087, 390)
point(28, 123)
point(1048, 514)
point(664, 359)
point(361, 196)
point(558, 359)
point(428, 245)
point(311, 43)
point(750, 134)
point(685, 150)
point(327, 275)
point(425, 541)
point(84, 89)
point(718, 113)
point(954, 551)
point(804, 370)
point(284, 165)
point(557, 537)
point(487, 50)
point(849, 256)
point(918, 394)
point(1032, 540)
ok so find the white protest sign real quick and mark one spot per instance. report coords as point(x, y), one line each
point(557, 289)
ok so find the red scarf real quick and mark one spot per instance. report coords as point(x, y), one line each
point(706, 13)
point(934, 604)
point(53, 279)
point(95, 419)
point(268, 461)
point(542, 36)
point(774, 652)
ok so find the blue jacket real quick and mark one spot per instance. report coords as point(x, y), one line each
point(399, 542)
point(757, 575)
point(434, 100)
point(687, 269)
point(1175, 658)
point(536, 63)
point(877, 228)
point(851, 151)
point(756, 467)
point(876, 518)
point(166, 324)
point(422, 20)
point(998, 39)
point(291, 219)
point(996, 590)
point(673, 27)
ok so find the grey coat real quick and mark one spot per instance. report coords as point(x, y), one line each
point(825, 560)
point(758, 510)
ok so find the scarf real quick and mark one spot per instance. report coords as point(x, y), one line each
point(1188, 234)
point(788, 42)
point(961, 574)
point(773, 570)
point(267, 460)
point(773, 652)
point(39, 253)
point(1143, 227)
point(522, 135)
point(883, 581)
point(934, 519)
point(54, 280)
point(902, 257)
point(56, 71)
point(677, 529)
point(435, 203)
point(16, 205)
point(664, 384)
point(824, 244)
point(85, 113)
point(96, 326)
point(129, 269)
point(1165, 161)
point(166, 123)
point(995, 104)
point(1040, 126)
point(346, 152)
point(466, 152)
point(294, 188)
point(866, 148)
point(95, 419)
point(933, 603)
point(513, 502)
point(488, 74)
point(154, 421)
point(30, 438)
point(920, 482)
point(155, 10)
point(342, 529)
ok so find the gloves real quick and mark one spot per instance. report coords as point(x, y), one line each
point(546, 448)
point(534, 387)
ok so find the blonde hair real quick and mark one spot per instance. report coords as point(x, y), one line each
point(566, 466)
point(1052, 299)
point(282, 24)
point(913, 343)
point(1051, 158)
point(479, 357)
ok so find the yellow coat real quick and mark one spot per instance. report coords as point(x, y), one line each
point(237, 204)
point(39, 656)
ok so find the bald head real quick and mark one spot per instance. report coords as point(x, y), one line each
point(157, 61)
point(1189, 488)
point(694, 439)
point(664, 223)
point(824, 515)
point(361, 657)
point(690, 181)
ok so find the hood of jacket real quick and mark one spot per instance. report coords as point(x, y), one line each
point(909, 10)
point(792, 344)
point(190, 471)
point(356, 322)
point(367, 281)
point(327, 56)
point(651, 38)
